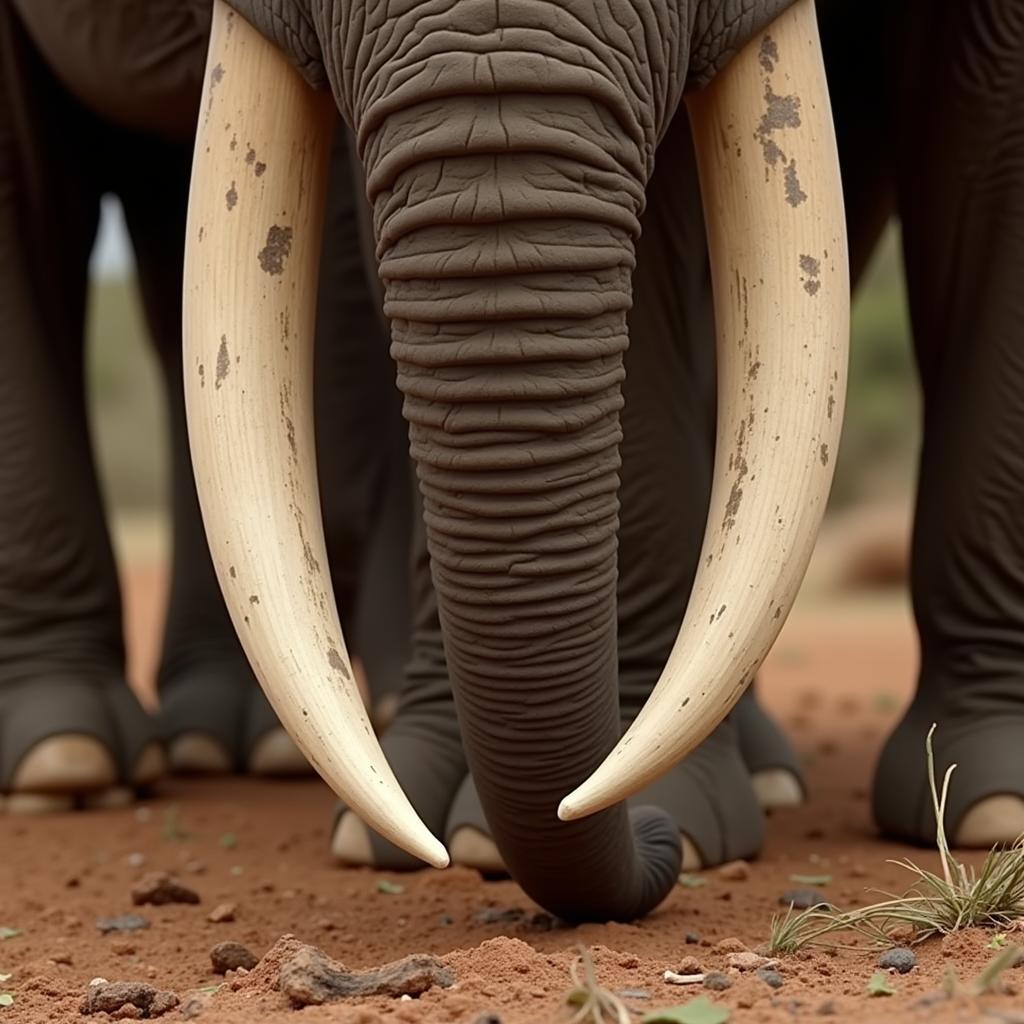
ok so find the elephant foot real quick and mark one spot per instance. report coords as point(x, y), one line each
point(215, 720)
point(985, 806)
point(68, 743)
point(773, 764)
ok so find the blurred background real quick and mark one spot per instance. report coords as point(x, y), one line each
point(863, 545)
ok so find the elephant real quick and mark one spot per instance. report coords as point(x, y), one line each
point(104, 97)
point(969, 677)
point(507, 149)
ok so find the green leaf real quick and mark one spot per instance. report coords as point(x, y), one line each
point(6, 999)
point(390, 888)
point(696, 1011)
point(878, 985)
point(9, 933)
point(811, 879)
point(691, 881)
point(997, 942)
point(229, 840)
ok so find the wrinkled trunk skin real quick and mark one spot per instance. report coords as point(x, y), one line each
point(506, 190)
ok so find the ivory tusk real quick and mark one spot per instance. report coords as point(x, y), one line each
point(252, 249)
point(773, 203)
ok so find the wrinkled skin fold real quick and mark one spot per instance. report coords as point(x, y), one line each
point(506, 153)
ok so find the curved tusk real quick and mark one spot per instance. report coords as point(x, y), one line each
point(253, 242)
point(773, 202)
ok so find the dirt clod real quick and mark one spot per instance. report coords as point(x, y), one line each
point(230, 956)
point(899, 959)
point(222, 913)
point(734, 871)
point(310, 978)
point(122, 923)
point(158, 888)
point(730, 945)
point(110, 997)
point(747, 961)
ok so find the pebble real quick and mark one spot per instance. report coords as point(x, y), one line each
point(802, 899)
point(222, 913)
point(717, 982)
point(487, 1018)
point(158, 888)
point(692, 938)
point(229, 956)
point(689, 965)
point(122, 948)
point(122, 923)
point(771, 978)
point(734, 871)
point(899, 959)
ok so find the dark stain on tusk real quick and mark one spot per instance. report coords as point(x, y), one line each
point(223, 362)
point(275, 252)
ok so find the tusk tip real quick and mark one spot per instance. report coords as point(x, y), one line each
point(432, 852)
point(575, 806)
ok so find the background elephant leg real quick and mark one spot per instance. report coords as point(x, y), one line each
point(667, 451)
point(213, 715)
point(961, 198)
point(422, 744)
point(69, 725)
point(365, 482)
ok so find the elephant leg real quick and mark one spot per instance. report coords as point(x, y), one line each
point(365, 489)
point(961, 199)
point(213, 716)
point(71, 731)
point(667, 452)
point(423, 744)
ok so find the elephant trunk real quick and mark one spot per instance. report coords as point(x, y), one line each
point(507, 284)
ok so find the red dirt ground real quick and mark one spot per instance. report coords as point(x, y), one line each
point(837, 680)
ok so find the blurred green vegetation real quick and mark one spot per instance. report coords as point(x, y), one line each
point(876, 457)
point(881, 433)
point(127, 408)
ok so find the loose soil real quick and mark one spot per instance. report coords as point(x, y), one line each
point(837, 679)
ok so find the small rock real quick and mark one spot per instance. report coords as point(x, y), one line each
point(62, 958)
point(858, 871)
point(158, 888)
point(827, 1009)
point(692, 938)
point(717, 982)
point(747, 961)
point(310, 978)
point(110, 997)
point(487, 1018)
point(730, 945)
point(734, 871)
point(770, 977)
point(221, 913)
point(122, 923)
point(492, 915)
point(229, 956)
point(899, 959)
point(802, 899)
point(689, 965)
point(195, 867)
point(194, 1004)
point(136, 860)
point(122, 948)
point(445, 920)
